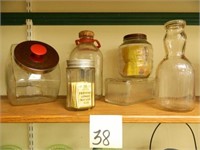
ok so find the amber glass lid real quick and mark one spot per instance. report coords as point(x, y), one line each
point(36, 56)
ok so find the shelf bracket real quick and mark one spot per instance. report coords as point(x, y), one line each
point(31, 136)
point(29, 22)
point(29, 6)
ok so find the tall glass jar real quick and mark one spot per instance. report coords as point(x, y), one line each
point(175, 74)
point(80, 84)
point(135, 56)
point(88, 48)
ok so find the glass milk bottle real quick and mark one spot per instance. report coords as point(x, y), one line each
point(175, 74)
point(88, 48)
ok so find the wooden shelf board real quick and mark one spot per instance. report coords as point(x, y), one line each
point(55, 112)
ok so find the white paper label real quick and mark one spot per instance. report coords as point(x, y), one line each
point(82, 94)
point(105, 131)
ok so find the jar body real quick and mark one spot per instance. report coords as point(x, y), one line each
point(175, 85)
point(175, 74)
point(26, 87)
point(88, 50)
point(135, 58)
point(80, 87)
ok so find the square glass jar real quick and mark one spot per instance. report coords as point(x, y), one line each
point(128, 91)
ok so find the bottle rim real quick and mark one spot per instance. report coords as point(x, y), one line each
point(175, 23)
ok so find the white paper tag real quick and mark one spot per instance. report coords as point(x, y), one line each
point(105, 131)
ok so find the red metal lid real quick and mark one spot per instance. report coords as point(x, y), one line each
point(36, 56)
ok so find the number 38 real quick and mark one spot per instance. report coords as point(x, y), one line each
point(102, 136)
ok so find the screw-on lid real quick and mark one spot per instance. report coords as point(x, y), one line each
point(80, 63)
point(136, 36)
point(86, 33)
point(35, 56)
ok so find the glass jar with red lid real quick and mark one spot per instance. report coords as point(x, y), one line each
point(33, 73)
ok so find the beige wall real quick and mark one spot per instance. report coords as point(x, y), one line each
point(62, 39)
point(102, 5)
point(135, 136)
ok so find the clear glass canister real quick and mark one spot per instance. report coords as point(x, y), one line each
point(88, 48)
point(135, 56)
point(33, 73)
point(80, 84)
point(175, 75)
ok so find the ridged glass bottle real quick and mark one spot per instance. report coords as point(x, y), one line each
point(175, 74)
point(80, 84)
point(88, 48)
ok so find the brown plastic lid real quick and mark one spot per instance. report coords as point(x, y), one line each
point(136, 36)
point(36, 56)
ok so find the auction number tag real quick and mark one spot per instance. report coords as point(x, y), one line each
point(105, 131)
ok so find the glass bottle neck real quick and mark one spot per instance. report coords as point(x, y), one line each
point(86, 40)
point(175, 41)
point(89, 40)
